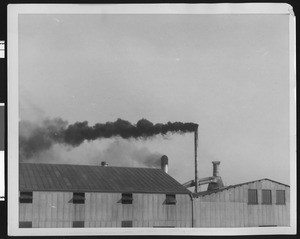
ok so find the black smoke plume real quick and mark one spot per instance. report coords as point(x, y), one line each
point(37, 138)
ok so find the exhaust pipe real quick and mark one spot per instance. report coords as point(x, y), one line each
point(164, 163)
point(216, 168)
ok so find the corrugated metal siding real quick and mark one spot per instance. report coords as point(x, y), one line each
point(55, 209)
point(230, 208)
point(53, 177)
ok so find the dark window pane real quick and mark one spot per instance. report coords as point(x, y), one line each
point(252, 196)
point(25, 224)
point(78, 224)
point(170, 199)
point(280, 197)
point(126, 223)
point(266, 196)
point(78, 198)
point(25, 197)
point(127, 198)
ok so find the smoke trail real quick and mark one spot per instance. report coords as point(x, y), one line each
point(115, 151)
point(37, 137)
point(34, 139)
point(75, 134)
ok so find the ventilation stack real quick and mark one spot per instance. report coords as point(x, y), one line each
point(164, 163)
point(217, 183)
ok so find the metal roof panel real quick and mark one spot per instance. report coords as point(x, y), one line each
point(87, 178)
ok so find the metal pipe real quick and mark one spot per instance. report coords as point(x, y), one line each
point(164, 163)
point(216, 168)
point(192, 204)
point(196, 160)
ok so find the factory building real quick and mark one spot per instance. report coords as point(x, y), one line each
point(100, 196)
point(53, 195)
point(261, 203)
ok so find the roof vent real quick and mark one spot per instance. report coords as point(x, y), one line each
point(216, 168)
point(164, 163)
point(104, 164)
point(217, 183)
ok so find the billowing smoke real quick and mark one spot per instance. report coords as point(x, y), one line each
point(76, 133)
point(37, 138)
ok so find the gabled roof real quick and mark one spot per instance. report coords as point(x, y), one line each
point(204, 193)
point(87, 178)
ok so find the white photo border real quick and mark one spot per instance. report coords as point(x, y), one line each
point(13, 105)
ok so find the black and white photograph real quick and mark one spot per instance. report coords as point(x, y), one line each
point(151, 119)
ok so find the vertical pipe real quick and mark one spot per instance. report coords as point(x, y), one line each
point(193, 213)
point(196, 159)
point(164, 163)
point(216, 168)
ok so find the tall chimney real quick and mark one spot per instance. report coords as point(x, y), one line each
point(216, 168)
point(196, 160)
point(104, 164)
point(164, 163)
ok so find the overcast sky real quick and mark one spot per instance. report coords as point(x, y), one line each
point(228, 73)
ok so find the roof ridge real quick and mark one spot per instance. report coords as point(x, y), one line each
point(89, 165)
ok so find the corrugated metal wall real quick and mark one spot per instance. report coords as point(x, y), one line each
point(230, 208)
point(55, 209)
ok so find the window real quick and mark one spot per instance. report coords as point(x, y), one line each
point(25, 197)
point(25, 224)
point(127, 198)
point(266, 196)
point(78, 223)
point(280, 197)
point(126, 223)
point(170, 199)
point(78, 198)
point(252, 196)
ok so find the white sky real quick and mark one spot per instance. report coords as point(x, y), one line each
point(228, 73)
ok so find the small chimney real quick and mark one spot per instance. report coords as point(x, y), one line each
point(164, 163)
point(216, 168)
point(218, 182)
point(104, 164)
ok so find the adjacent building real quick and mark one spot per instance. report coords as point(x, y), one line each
point(261, 203)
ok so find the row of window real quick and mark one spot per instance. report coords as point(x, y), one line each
point(79, 198)
point(266, 196)
point(28, 224)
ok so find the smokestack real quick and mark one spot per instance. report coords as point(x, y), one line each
point(216, 168)
point(164, 163)
point(196, 160)
point(104, 164)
